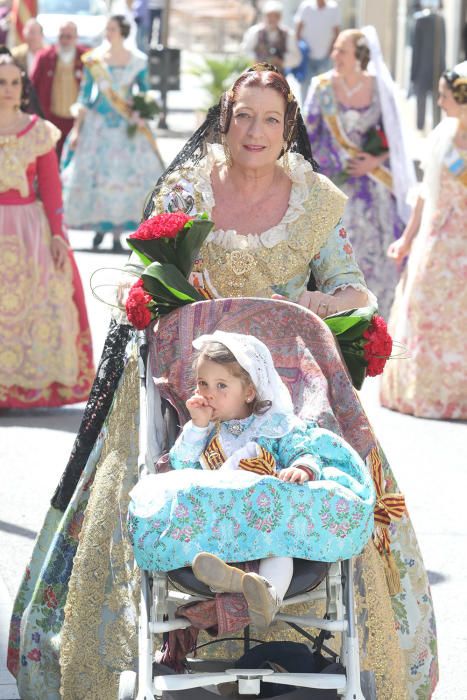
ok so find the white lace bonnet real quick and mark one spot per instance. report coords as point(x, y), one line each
point(255, 358)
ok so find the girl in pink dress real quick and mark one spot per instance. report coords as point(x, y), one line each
point(45, 340)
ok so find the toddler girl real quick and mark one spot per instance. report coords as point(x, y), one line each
point(242, 419)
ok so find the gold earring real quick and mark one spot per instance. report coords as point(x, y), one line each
point(285, 163)
point(227, 153)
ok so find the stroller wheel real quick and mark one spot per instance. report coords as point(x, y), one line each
point(127, 686)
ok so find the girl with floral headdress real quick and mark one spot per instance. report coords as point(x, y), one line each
point(243, 432)
point(430, 309)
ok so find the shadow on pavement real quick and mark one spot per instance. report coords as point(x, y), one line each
point(435, 577)
point(12, 529)
point(67, 418)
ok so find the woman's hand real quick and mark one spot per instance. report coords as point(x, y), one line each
point(363, 164)
point(321, 304)
point(200, 411)
point(294, 475)
point(73, 138)
point(59, 250)
point(399, 249)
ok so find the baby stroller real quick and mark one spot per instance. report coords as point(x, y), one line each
point(305, 354)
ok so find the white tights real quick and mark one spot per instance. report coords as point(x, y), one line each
point(278, 571)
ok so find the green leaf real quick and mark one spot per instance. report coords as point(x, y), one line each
point(189, 243)
point(167, 283)
point(155, 249)
point(145, 260)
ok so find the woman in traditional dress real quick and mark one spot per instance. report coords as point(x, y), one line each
point(344, 107)
point(45, 341)
point(430, 309)
point(112, 159)
point(250, 167)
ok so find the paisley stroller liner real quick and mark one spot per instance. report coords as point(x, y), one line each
point(308, 360)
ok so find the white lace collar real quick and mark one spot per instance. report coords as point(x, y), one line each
point(229, 238)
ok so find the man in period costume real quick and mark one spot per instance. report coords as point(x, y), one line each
point(56, 77)
point(25, 54)
point(271, 41)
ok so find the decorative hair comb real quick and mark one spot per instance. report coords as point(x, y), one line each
point(262, 66)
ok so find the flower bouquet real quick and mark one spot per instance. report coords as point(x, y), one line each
point(167, 245)
point(375, 143)
point(364, 342)
point(142, 107)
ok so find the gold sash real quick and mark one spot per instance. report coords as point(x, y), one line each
point(120, 105)
point(381, 173)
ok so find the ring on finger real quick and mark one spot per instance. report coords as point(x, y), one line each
point(325, 308)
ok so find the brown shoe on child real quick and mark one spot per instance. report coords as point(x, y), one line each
point(215, 573)
point(262, 600)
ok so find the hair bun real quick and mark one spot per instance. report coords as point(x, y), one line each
point(362, 52)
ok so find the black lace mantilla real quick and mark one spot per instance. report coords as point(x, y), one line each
point(209, 132)
point(108, 375)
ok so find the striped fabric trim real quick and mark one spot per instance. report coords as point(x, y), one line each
point(263, 464)
point(214, 456)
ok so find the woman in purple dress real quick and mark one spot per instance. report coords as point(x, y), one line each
point(344, 108)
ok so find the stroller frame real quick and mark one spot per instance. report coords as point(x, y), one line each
point(158, 603)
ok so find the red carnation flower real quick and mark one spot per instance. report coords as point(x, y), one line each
point(136, 306)
point(50, 599)
point(161, 226)
point(383, 139)
point(378, 347)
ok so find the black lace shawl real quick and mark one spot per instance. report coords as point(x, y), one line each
point(209, 132)
point(112, 361)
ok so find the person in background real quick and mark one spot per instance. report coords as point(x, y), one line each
point(56, 77)
point(317, 23)
point(344, 108)
point(428, 58)
point(271, 41)
point(45, 340)
point(5, 8)
point(25, 54)
point(140, 11)
point(156, 14)
point(429, 313)
point(107, 169)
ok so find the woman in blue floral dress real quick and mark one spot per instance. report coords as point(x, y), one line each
point(110, 163)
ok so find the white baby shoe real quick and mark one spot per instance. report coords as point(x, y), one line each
point(261, 596)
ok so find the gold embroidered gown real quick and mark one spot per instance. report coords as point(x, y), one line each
point(45, 341)
point(99, 634)
point(429, 314)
